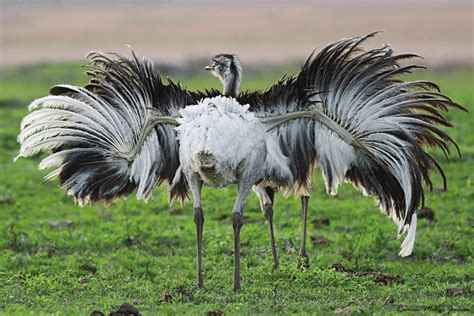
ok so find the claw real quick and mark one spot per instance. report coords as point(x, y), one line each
point(303, 262)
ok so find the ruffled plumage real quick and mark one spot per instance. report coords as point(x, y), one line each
point(347, 112)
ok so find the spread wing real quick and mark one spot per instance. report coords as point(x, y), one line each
point(103, 142)
point(349, 113)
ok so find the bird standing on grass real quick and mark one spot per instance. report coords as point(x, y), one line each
point(347, 112)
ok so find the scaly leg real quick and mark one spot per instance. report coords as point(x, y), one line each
point(303, 260)
point(237, 223)
point(195, 186)
point(266, 196)
point(269, 216)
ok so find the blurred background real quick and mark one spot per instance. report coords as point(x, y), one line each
point(273, 32)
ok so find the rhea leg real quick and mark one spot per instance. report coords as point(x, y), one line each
point(303, 260)
point(266, 196)
point(195, 186)
point(237, 223)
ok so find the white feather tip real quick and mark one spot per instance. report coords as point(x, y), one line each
point(407, 245)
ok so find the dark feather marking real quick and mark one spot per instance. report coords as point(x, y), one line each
point(343, 79)
point(120, 83)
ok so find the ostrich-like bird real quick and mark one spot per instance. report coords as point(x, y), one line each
point(347, 112)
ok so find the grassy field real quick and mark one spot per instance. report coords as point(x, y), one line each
point(58, 258)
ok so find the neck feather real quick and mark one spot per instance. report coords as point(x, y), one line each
point(231, 87)
point(231, 82)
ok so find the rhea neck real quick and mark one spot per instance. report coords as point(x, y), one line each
point(231, 80)
point(231, 87)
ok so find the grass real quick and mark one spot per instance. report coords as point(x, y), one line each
point(58, 258)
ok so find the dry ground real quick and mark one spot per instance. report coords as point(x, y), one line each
point(441, 31)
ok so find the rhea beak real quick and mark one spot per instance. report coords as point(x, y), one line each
point(211, 67)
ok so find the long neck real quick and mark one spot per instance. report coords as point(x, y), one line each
point(231, 82)
point(231, 87)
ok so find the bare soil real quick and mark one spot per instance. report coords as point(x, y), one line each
point(272, 32)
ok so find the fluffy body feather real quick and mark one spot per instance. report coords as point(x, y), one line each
point(219, 138)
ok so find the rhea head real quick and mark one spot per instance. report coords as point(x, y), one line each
point(227, 68)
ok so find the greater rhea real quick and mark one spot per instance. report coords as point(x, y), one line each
point(347, 112)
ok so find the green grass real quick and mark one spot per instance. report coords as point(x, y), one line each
point(144, 253)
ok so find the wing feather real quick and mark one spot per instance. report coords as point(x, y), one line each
point(104, 143)
point(349, 112)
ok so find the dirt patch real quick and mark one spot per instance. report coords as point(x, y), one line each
point(377, 277)
point(7, 201)
point(319, 240)
point(320, 222)
point(455, 291)
point(88, 267)
point(426, 213)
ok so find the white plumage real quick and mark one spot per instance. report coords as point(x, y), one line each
point(218, 136)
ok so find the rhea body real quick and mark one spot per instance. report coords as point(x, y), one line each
point(228, 69)
point(222, 143)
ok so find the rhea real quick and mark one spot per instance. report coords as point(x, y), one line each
point(347, 112)
point(227, 68)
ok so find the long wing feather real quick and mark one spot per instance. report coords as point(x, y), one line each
point(349, 112)
point(105, 142)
